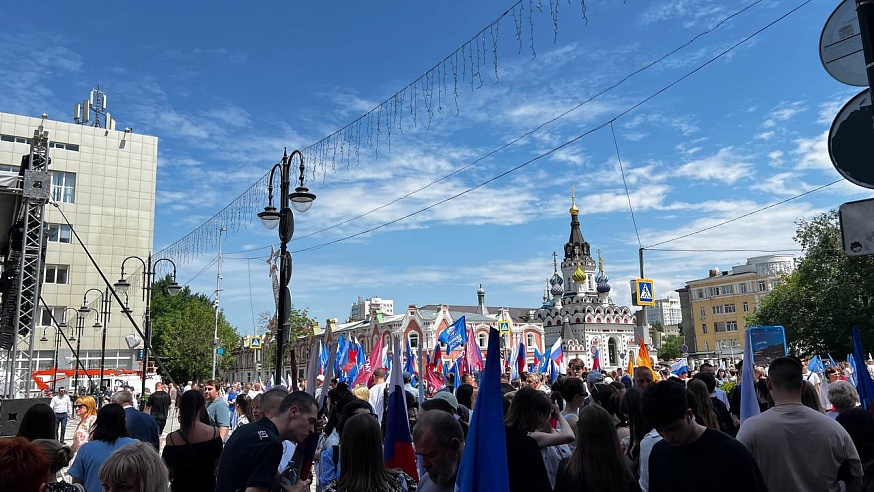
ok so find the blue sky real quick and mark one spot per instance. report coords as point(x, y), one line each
point(225, 88)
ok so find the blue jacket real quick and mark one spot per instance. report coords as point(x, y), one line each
point(141, 426)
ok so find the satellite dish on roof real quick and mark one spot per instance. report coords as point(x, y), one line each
point(840, 46)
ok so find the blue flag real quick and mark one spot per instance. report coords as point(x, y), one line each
point(864, 384)
point(484, 462)
point(410, 364)
point(456, 375)
point(852, 362)
point(815, 365)
point(749, 402)
point(544, 366)
point(537, 357)
point(342, 352)
point(454, 335)
point(831, 361)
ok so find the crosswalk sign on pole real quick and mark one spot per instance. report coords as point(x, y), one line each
point(256, 342)
point(643, 287)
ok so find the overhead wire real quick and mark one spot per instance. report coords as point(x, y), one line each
point(584, 134)
point(539, 127)
point(753, 212)
point(625, 183)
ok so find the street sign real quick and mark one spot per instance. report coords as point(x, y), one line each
point(643, 287)
point(851, 140)
point(685, 349)
point(220, 351)
point(857, 229)
point(840, 46)
point(504, 326)
point(255, 343)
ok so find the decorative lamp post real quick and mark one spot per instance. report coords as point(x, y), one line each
point(76, 336)
point(58, 333)
point(148, 277)
point(301, 200)
point(101, 324)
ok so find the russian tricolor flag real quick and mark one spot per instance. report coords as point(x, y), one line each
point(398, 446)
point(555, 353)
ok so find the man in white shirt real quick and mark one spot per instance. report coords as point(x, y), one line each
point(63, 408)
point(811, 377)
point(377, 393)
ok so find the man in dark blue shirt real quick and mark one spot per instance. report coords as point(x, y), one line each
point(140, 425)
point(250, 460)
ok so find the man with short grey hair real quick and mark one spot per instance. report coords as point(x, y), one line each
point(139, 425)
point(439, 442)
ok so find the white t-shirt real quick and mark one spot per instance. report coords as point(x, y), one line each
point(812, 377)
point(646, 445)
point(377, 399)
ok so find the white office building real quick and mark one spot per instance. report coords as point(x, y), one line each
point(103, 181)
point(666, 311)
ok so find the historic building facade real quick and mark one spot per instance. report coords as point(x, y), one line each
point(577, 306)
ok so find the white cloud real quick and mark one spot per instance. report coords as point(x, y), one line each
point(812, 153)
point(724, 166)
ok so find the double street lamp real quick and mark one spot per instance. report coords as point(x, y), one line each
point(101, 323)
point(301, 200)
point(148, 277)
point(76, 336)
point(58, 333)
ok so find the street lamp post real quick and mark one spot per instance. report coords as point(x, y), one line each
point(57, 329)
point(148, 276)
point(218, 288)
point(301, 200)
point(75, 337)
point(101, 323)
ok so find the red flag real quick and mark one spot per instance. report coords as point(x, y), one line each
point(371, 364)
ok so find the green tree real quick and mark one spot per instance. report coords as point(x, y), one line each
point(299, 325)
point(182, 330)
point(671, 347)
point(828, 293)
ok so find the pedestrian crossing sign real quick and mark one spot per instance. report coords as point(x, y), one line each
point(255, 342)
point(643, 288)
point(504, 326)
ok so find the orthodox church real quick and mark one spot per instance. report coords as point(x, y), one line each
point(577, 306)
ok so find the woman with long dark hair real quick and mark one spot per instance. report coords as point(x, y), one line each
point(363, 468)
point(528, 411)
point(705, 407)
point(638, 427)
point(107, 434)
point(329, 458)
point(597, 463)
point(191, 453)
point(39, 422)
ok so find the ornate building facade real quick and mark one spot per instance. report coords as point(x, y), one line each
point(422, 326)
point(577, 306)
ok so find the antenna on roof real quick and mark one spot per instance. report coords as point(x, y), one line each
point(92, 111)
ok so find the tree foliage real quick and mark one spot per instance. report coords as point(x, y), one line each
point(671, 348)
point(182, 331)
point(299, 325)
point(827, 294)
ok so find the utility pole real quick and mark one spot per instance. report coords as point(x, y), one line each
point(218, 288)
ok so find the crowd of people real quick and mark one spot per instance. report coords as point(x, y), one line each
point(589, 430)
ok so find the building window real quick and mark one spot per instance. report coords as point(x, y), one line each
point(728, 289)
point(714, 291)
point(57, 274)
point(761, 286)
point(482, 340)
point(9, 168)
point(703, 327)
point(746, 307)
point(703, 312)
point(731, 326)
point(532, 342)
point(729, 308)
point(413, 340)
point(60, 233)
point(63, 186)
point(775, 283)
point(717, 309)
point(700, 293)
point(46, 318)
point(719, 327)
point(742, 287)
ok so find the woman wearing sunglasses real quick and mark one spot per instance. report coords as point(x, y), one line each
point(86, 412)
